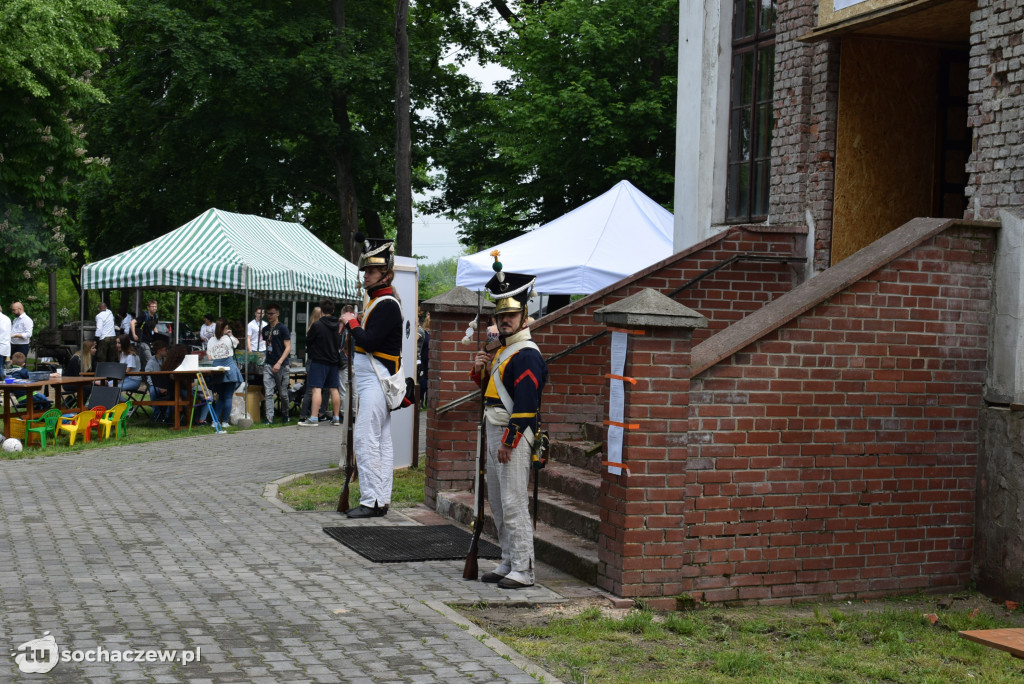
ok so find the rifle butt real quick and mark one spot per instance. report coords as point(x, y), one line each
point(343, 499)
point(471, 570)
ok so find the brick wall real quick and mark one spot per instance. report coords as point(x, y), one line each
point(803, 141)
point(451, 437)
point(836, 455)
point(577, 389)
point(640, 551)
point(996, 108)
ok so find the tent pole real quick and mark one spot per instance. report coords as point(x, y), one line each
point(245, 385)
point(219, 314)
point(81, 322)
point(177, 316)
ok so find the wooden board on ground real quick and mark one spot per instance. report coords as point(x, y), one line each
point(1010, 640)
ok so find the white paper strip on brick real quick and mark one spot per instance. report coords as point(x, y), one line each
point(616, 400)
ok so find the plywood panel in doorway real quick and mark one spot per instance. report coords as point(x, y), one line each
point(885, 142)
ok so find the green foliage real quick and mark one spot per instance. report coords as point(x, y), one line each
point(48, 53)
point(590, 102)
point(263, 108)
point(437, 278)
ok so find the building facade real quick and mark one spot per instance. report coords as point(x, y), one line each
point(851, 118)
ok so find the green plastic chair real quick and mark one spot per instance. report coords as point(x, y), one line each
point(122, 424)
point(46, 423)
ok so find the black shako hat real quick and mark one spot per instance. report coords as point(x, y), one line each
point(510, 291)
point(377, 252)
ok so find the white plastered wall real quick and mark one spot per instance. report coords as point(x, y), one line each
point(702, 119)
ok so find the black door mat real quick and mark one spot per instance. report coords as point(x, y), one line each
point(408, 543)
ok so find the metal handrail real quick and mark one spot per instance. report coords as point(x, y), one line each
point(685, 286)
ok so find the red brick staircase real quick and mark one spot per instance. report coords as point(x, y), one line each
point(568, 520)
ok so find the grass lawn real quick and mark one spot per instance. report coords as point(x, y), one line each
point(891, 640)
point(140, 430)
point(321, 492)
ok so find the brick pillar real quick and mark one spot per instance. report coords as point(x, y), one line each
point(641, 550)
point(451, 430)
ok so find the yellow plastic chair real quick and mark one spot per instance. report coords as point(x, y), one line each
point(77, 425)
point(112, 418)
point(46, 423)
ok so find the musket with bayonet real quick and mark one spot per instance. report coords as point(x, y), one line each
point(471, 570)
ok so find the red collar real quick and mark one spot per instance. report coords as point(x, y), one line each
point(381, 292)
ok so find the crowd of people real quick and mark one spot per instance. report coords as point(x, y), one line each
point(510, 371)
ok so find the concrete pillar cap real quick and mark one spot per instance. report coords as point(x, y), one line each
point(649, 309)
point(458, 300)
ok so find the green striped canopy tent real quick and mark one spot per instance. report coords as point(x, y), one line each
point(220, 251)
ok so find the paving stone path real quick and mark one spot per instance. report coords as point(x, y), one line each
point(172, 545)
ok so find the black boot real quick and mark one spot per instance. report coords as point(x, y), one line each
point(362, 511)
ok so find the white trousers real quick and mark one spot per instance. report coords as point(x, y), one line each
point(371, 435)
point(509, 496)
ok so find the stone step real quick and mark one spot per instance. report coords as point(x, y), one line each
point(577, 452)
point(571, 481)
point(594, 432)
point(580, 518)
point(556, 547)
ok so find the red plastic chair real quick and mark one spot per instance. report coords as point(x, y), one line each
point(94, 424)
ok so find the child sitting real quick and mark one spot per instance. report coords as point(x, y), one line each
point(20, 372)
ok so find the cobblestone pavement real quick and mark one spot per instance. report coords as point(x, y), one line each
point(172, 545)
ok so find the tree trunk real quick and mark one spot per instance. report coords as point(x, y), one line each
point(52, 283)
point(503, 10)
point(403, 139)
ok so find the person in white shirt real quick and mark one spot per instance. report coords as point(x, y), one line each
point(5, 341)
point(206, 330)
point(106, 345)
point(126, 323)
point(254, 341)
point(221, 351)
point(21, 330)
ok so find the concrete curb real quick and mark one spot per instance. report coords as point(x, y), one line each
point(495, 644)
point(270, 490)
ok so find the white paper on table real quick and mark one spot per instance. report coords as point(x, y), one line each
point(616, 400)
point(189, 363)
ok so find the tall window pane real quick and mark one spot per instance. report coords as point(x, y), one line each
point(751, 118)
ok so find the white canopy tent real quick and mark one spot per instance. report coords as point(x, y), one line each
point(591, 247)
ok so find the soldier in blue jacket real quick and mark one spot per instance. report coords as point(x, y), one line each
point(515, 376)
